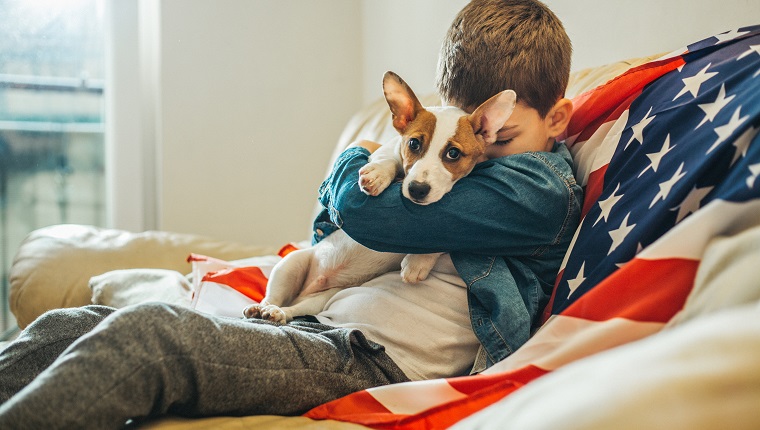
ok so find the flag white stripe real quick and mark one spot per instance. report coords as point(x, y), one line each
point(564, 339)
point(414, 397)
point(689, 238)
point(597, 151)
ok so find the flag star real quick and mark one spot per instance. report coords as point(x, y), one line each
point(619, 234)
point(693, 83)
point(742, 143)
point(725, 131)
point(754, 169)
point(638, 129)
point(607, 204)
point(656, 157)
point(729, 35)
point(712, 109)
point(666, 186)
point(573, 284)
point(752, 49)
point(692, 202)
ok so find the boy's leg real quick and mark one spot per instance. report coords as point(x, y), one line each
point(42, 342)
point(153, 359)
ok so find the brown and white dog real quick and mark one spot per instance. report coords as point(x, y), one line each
point(437, 146)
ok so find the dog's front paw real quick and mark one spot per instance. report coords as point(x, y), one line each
point(374, 178)
point(274, 313)
point(417, 267)
point(253, 311)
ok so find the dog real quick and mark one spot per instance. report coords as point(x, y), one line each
point(436, 147)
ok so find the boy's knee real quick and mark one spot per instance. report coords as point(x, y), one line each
point(70, 322)
point(151, 315)
point(136, 333)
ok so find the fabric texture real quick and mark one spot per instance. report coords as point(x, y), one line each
point(152, 359)
point(425, 327)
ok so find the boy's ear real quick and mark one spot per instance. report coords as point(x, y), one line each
point(558, 117)
point(490, 117)
point(401, 99)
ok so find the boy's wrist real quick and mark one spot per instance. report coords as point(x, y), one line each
point(366, 144)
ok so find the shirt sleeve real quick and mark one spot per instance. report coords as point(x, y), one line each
point(515, 205)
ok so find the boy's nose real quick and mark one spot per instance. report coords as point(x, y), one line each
point(418, 190)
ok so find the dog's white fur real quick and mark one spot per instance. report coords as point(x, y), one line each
point(450, 144)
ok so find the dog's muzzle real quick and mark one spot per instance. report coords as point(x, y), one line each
point(418, 190)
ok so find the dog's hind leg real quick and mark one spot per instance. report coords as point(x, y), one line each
point(285, 282)
point(417, 267)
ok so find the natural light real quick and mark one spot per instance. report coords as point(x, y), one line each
point(51, 121)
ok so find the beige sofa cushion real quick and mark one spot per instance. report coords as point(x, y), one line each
point(53, 265)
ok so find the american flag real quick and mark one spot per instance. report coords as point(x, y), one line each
point(669, 156)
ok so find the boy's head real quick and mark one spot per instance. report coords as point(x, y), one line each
point(494, 45)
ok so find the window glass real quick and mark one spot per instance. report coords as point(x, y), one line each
point(51, 121)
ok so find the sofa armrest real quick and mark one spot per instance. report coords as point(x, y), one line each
point(53, 265)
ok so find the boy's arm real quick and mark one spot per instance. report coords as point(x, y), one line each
point(498, 209)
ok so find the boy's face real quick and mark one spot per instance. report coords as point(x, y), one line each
point(524, 131)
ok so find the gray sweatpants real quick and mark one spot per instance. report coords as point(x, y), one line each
point(95, 367)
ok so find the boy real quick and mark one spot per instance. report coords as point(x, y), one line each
point(507, 227)
point(507, 224)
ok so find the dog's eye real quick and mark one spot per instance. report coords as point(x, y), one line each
point(453, 153)
point(414, 144)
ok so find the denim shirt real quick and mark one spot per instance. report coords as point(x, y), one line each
point(507, 226)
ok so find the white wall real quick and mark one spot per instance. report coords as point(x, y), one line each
point(404, 36)
point(247, 98)
point(604, 31)
point(253, 95)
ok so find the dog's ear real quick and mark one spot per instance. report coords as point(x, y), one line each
point(401, 99)
point(490, 117)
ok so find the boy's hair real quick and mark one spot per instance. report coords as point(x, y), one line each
point(494, 45)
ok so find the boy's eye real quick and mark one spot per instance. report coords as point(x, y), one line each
point(453, 153)
point(502, 142)
point(414, 144)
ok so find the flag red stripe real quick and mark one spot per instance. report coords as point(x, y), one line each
point(287, 249)
point(481, 390)
point(359, 407)
point(594, 188)
point(472, 384)
point(603, 103)
point(492, 388)
point(642, 290)
point(250, 281)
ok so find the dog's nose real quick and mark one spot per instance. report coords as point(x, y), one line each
point(418, 190)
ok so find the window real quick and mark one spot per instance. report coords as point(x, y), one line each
point(51, 121)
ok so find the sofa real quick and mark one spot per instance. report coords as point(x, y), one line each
point(686, 359)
